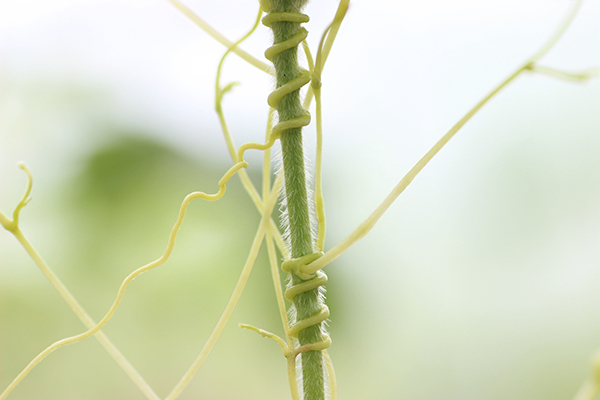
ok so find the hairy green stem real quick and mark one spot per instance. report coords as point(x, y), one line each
point(289, 107)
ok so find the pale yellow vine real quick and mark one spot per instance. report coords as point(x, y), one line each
point(273, 262)
point(591, 387)
point(264, 227)
point(13, 227)
point(220, 38)
point(266, 210)
point(316, 71)
point(582, 75)
point(171, 243)
point(330, 375)
point(370, 222)
point(235, 296)
point(267, 230)
point(246, 182)
point(331, 33)
point(272, 134)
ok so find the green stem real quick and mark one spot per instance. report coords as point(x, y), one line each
point(289, 107)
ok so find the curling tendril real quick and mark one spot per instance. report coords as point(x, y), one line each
point(311, 282)
point(295, 84)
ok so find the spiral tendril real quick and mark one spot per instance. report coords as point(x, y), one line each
point(311, 282)
point(296, 83)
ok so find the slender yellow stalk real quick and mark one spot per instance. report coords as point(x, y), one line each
point(331, 375)
point(13, 227)
point(4, 220)
point(558, 33)
point(331, 33)
point(267, 229)
point(231, 304)
point(582, 75)
point(291, 362)
point(229, 308)
point(589, 390)
point(220, 38)
point(85, 318)
point(334, 29)
point(316, 90)
point(219, 93)
point(266, 173)
point(370, 222)
point(171, 243)
point(278, 291)
point(317, 70)
point(591, 387)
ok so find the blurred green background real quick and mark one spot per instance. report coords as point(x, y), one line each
point(481, 282)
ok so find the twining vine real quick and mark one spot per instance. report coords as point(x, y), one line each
point(303, 254)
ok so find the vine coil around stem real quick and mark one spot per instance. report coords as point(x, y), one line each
point(307, 327)
point(295, 84)
point(311, 282)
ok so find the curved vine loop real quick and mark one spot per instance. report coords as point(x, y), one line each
point(295, 84)
point(121, 292)
point(311, 282)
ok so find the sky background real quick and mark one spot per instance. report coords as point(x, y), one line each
point(481, 282)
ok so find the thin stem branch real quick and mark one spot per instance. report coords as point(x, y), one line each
point(85, 318)
point(121, 292)
point(319, 199)
point(331, 376)
point(589, 390)
point(340, 14)
point(13, 227)
point(370, 222)
point(317, 70)
point(229, 308)
point(580, 76)
point(591, 387)
point(231, 304)
point(266, 173)
point(220, 38)
point(278, 291)
point(283, 313)
point(558, 33)
point(245, 179)
point(331, 33)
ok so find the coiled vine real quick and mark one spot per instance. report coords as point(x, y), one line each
point(303, 253)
